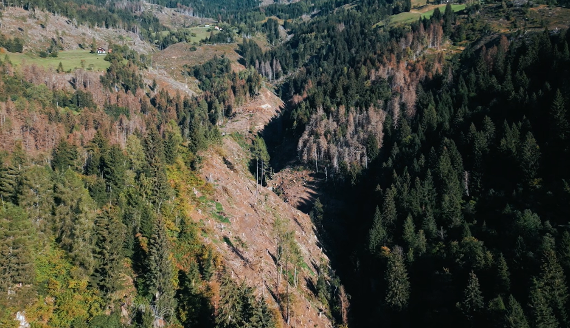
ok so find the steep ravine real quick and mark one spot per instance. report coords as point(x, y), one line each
point(242, 229)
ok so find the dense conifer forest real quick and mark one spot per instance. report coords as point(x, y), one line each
point(79, 223)
point(441, 146)
point(463, 207)
point(471, 193)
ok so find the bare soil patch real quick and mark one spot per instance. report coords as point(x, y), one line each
point(242, 232)
point(176, 59)
point(253, 116)
point(167, 82)
point(297, 187)
point(173, 18)
point(533, 19)
point(38, 28)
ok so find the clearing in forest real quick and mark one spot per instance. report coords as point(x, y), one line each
point(419, 3)
point(415, 14)
point(199, 33)
point(70, 60)
point(177, 59)
point(242, 229)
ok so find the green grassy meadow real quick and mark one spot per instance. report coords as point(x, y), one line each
point(70, 60)
point(409, 17)
point(201, 33)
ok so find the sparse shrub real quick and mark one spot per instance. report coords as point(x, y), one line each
point(238, 241)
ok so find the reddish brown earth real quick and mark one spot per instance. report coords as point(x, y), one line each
point(172, 85)
point(173, 18)
point(37, 28)
point(296, 187)
point(253, 116)
point(252, 211)
point(173, 59)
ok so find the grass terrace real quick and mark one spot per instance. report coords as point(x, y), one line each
point(415, 14)
point(70, 60)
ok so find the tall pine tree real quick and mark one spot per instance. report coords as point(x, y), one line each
point(515, 317)
point(161, 273)
point(397, 283)
point(16, 249)
point(541, 312)
point(553, 284)
point(472, 303)
point(109, 253)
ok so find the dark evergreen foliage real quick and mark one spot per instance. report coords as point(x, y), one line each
point(473, 186)
point(16, 249)
point(472, 183)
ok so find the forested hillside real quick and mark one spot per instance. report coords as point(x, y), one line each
point(107, 219)
point(432, 155)
point(452, 164)
point(96, 185)
point(471, 193)
point(464, 205)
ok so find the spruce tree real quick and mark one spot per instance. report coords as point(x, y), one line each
point(230, 305)
point(321, 286)
point(429, 225)
point(472, 303)
point(560, 128)
point(74, 218)
point(421, 243)
point(515, 317)
point(194, 308)
point(378, 234)
point(448, 19)
point(113, 168)
point(564, 250)
point(64, 156)
point(398, 285)
point(10, 179)
point(503, 281)
point(553, 284)
point(16, 247)
point(541, 312)
point(160, 275)
point(529, 158)
point(448, 169)
point(154, 151)
point(109, 250)
point(389, 212)
point(317, 213)
point(171, 147)
point(248, 304)
point(262, 316)
point(409, 233)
